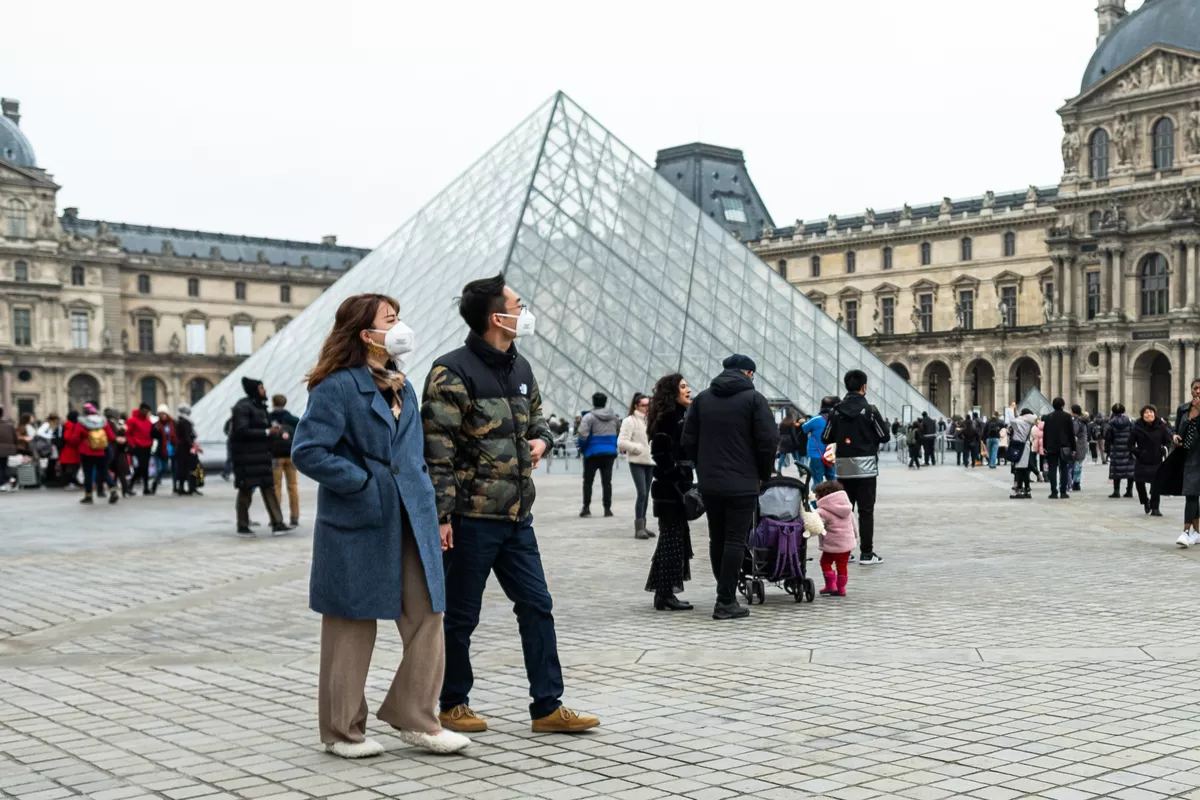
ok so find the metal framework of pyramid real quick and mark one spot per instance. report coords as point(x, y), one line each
point(628, 278)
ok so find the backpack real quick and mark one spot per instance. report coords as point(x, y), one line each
point(912, 437)
point(97, 439)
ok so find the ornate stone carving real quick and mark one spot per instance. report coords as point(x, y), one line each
point(1158, 207)
point(1003, 309)
point(1031, 194)
point(906, 213)
point(869, 217)
point(989, 199)
point(916, 319)
point(1156, 72)
point(944, 210)
point(260, 257)
point(168, 247)
point(1192, 133)
point(767, 233)
point(106, 340)
point(124, 341)
point(1123, 136)
point(174, 343)
point(1047, 307)
point(831, 225)
point(105, 237)
point(222, 346)
point(1070, 150)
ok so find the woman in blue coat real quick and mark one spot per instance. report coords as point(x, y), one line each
point(377, 550)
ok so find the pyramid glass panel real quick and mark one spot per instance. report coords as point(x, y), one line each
point(629, 281)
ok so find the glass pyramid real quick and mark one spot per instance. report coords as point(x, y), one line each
point(629, 281)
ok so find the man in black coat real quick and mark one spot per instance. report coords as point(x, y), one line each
point(929, 431)
point(856, 429)
point(1058, 439)
point(250, 441)
point(731, 436)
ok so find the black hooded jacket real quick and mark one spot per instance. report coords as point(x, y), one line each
point(250, 439)
point(731, 436)
point(857, 428)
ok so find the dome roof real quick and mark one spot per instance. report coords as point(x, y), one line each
point(1175, 23)
point(14, 147)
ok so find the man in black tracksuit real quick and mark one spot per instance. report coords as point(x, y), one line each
point(731, 435)
point(857, 429)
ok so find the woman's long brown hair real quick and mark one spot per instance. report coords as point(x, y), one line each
point(343, 346)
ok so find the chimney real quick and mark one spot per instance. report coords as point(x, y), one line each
point(1109, 13)
point(11, 109)
point(329, 240)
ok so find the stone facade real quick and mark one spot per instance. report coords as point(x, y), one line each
point(1088, 289)
point(90, 312)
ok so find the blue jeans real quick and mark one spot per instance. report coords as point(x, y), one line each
point(993, 446)
point(642, 474)
point(781, 462)
point(1077, 473)
point(820, 472)
point(509, 548)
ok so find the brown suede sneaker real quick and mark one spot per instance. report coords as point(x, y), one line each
point(564, 720)
point(462, 720)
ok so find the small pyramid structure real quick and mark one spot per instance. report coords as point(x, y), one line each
point(629, 281)
point(1036, 402)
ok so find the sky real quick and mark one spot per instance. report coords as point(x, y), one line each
point(305, 118)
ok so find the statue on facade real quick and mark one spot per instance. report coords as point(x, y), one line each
point(105, 237)
point(989, 199)
point(1047, 308)
point(945, 208)
point(767, 233)
point(168, 247)
point(106, 340)
point(174, 343)
point(960, 321)
point(869, 217)
point(906, 213)
point(1123, 139)
point(839, 319)
point(831, 225)
point(1193, 130)
point(124, 341)
point(916, 319)
point(1031, 194)
point(1003, 307)
point(875, 321)
point(1070, 149)
point(222, 347)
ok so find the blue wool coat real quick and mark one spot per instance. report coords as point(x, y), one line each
point(357, 535)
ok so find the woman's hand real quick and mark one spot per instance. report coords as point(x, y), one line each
point(1177, 439)
point(447, 534)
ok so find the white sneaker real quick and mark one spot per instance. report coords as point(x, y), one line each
point(444, 741)
point(1188, 538)
point(364, 749)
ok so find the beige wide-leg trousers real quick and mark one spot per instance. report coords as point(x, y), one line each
point(346, 647)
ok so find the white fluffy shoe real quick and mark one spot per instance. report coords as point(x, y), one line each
point(364, 749)
point(1188, 538)
point(444, 742)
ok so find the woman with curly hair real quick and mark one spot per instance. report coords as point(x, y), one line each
point(672, 478)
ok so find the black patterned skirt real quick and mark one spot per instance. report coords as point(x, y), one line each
point(670, 566)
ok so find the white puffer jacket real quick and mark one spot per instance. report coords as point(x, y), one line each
point(633, 441)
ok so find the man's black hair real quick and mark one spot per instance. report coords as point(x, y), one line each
point(855, 379)
point(1077, 410)
point(1118, 408)
point(1058, 403)
point(599, 400)
point(480, 299)
point(144, 407)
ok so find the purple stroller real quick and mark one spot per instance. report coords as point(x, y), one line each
point(777, 550)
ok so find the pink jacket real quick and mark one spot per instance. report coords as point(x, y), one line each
point(838, 517)
point(1036, 436)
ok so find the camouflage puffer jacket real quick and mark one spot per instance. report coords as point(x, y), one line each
point(480, 410)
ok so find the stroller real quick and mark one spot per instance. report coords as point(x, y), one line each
point(777, 550)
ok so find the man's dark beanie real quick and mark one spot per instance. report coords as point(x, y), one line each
point(737, 361)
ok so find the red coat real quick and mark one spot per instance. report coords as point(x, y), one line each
point(138, 431)
point(81, 440)
point(69, 455)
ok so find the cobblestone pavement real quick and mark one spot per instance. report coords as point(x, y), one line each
point(1005, 649)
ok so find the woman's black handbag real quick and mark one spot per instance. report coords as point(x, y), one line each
point(1168, 480)
point(1015, 451)
point(693, 504)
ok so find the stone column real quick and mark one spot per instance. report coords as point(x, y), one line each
point(1120, 382)
point(1068, 376)
point(1068, 286)
point(957, 396)
point(1106, 282)
point(1179, 275)
point(1132, 298)
point(1193, 301)
point(1187, 357)
point(1103, 387)
point(1049, 379)
point(1118, 287)
point(1059, 280)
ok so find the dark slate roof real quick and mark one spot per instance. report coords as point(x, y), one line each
point(705, 173)
point(971, 205)
point(14, 147)
point(1175, 23)
point(199, 244)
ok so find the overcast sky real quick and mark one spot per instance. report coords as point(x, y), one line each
point(303, 118)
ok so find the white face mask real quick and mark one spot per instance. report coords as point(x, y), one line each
point(398, 340)
point(525, 323)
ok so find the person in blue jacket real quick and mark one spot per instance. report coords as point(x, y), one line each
point(598, 433)
point(814, 429)
point(377, 549)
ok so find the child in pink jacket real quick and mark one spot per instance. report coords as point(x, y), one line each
point(833, 504)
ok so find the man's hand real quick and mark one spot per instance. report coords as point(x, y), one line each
point(1178, 439)
point(447, 533)
point(275, 429)
point(285, 436)
point(536, 448)
point(830, 453)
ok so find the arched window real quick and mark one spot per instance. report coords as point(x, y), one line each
point(816, 266)
point(21, 272)
point(78, 276)
point(966, 248)
point(1164, 144)
point(15, 219)
point(1154, 283)
point(887, 258)
point(1098, 155)
point(851, 261)
point(926, 254)
point(1010, 244)
point(197, 388)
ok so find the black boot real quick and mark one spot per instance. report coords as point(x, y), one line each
point(669, 602)
point(734, 610)
point(586, 512)
point(608, 512)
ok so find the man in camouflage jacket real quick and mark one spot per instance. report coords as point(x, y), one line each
point(484, 434)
